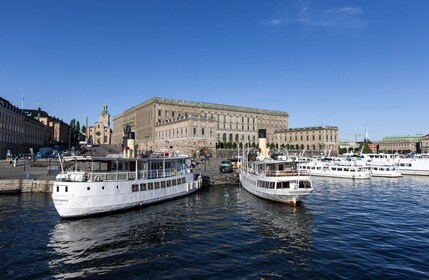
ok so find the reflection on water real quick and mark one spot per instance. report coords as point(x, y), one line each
point(288, 228)
point(345, 229)
point(219, 231)
point(102, 244)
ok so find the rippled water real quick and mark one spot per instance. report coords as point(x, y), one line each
point(346, 229)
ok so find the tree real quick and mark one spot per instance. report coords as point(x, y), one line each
point(74, 132)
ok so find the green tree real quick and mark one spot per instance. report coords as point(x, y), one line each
point(74, 132)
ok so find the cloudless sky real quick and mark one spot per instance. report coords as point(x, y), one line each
point(350, 64)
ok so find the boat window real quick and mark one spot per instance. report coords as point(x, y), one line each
point(183, 180)
point(142, 186)
point(174, 182)
point(162, 184)
point(135, 187)
point(150, 186)
point(157, 185)
point(67, 189)
point(169, 183)
point(58, 188)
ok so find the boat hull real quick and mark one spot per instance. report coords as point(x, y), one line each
point(86, 199)
point(292, 195)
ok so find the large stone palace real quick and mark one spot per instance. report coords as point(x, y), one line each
point(190, 127)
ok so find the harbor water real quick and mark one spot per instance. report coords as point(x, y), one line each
point(369, 229)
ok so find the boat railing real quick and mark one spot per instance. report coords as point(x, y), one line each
point(82, 176)
point(131, 175)
point(285, 173)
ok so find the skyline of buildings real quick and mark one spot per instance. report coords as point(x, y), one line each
point(188, 126)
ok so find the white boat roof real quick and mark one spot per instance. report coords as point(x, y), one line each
point(95, 158)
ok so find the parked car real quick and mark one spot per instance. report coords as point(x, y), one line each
point(225, 166)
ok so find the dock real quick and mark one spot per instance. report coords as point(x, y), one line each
point(28, 176)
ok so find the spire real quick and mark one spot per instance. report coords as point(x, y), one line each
point(104, 109)
point(366, 139)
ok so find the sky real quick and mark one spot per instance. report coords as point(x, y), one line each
point(352, 64)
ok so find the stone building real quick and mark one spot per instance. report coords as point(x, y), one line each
point(312, 139)
point(57, 132)
point(191, 126)
point(18, 133)
point(400, 144)
point(424, 145)
point(100, 132)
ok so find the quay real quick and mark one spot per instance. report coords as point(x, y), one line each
point(39, 176)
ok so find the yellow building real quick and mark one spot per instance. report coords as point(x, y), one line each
point(312, 139)
point(191, 126)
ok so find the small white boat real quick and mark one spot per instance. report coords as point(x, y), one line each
point(417, 165)
point(384, 170)
point(336, 169)
point(278, 180)
point(95, 185)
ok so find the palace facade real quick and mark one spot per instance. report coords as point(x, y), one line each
point(189, 126)
point(312, 139)
point(400, 144)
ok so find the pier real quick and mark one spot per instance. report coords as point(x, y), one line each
point(39, 176)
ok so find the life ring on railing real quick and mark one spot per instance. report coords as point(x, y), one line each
point(87, 176)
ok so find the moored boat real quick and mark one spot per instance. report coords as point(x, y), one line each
point(336, 169)
point(384, 170)
point(279, 180)
point(416, 165)
point(95, 185)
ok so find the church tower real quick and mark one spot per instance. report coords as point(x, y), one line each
point(104, 116)
point(101, 133)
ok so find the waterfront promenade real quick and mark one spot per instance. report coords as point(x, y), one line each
point(29, 176)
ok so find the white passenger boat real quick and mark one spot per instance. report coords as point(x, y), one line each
point(336, 169)
point(95, 185)
point(278, 180)
point(417, 165)
point(384, 170)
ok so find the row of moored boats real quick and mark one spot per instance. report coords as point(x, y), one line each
point(96, 185)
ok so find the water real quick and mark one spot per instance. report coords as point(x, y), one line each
point(345, 230)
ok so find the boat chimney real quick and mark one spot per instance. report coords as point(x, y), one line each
point(131, 144)
point(262, 135)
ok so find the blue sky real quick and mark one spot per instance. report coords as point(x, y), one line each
point(341, 63)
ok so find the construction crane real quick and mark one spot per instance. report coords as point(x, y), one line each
point(355, 134)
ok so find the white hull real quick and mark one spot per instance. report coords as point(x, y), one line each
point(386, 171)
point(291, 195)
point(414, 172)
point(103, 197)
point(386, 174)
point(414, 167)
point(336, 171)
point(342, 175)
